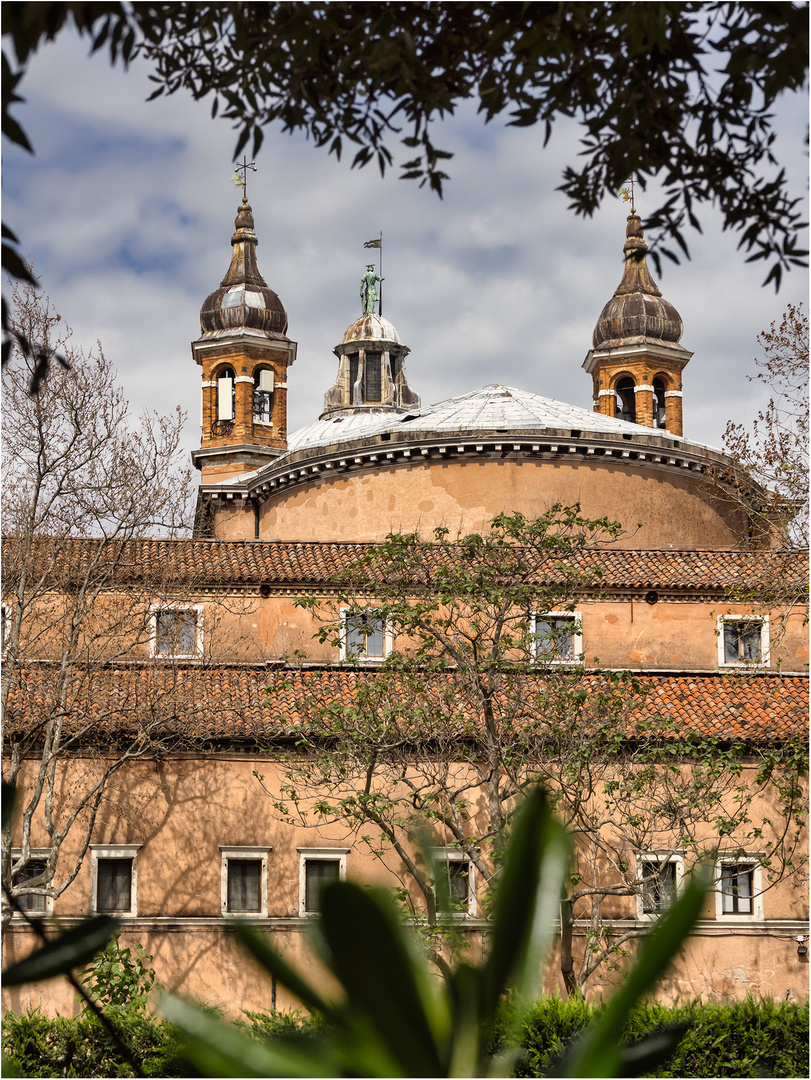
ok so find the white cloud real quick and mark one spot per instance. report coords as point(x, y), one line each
point(127, 211)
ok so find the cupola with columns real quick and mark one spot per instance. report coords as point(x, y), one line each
point(244, 353)
point(636, 360)
point(371, 366)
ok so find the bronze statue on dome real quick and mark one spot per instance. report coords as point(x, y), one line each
point(368, 289)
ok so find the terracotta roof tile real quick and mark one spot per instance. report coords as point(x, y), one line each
point(240, 563)
point(192, 704)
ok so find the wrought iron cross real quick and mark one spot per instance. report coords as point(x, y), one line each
point(242, 181)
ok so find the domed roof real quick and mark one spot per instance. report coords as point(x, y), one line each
point(370, 327)
point(492, 408)
point(637, 313)
point(243, 300)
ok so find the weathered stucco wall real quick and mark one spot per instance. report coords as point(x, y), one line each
point(657, 507)
point(182, 811)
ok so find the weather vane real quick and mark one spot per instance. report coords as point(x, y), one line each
point(242, 181)
point(627, 194)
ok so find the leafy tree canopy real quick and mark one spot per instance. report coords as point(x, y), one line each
point(680, 92)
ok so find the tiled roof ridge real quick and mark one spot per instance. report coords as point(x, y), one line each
point(223, 703)
point(212, 562)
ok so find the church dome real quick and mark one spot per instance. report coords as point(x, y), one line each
point(243, 300)
point(637, 313)
point(370, 327)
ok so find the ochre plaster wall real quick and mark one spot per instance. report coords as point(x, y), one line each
point(658, 508)
point(182, 811)
point(617, 633)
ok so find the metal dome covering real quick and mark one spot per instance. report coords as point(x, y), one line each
point(637, 313)
point(370, 327)
point(243, 301)
point(492, 408)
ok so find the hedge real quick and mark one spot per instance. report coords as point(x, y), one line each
point(743, 1038)
point(748, 1038)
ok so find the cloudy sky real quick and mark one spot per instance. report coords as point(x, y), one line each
point(127, 210)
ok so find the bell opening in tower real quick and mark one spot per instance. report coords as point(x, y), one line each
point(625, 407)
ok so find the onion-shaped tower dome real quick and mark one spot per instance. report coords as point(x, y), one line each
point(636, 360)
point(243, 301)
point(637, 312)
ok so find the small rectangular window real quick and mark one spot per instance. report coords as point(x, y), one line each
point(557, 638)
point(244, 881)
point(743, 641)
point(114, 885)
point(318, 866)
point(33, 902)
point(225, 397)
point(737, 889)
point(317, 873)
point(114, 878)
point(659, 880)
point(354, 389)
point(456, 891)
point(366, 636)
point(177, 631)
point(244, 885)
point(372, 377)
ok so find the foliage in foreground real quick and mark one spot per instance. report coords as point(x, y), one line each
point(393, 1018)
point(744, 1038)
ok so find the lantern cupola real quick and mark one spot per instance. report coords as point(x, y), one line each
point(636, 360)
point(371, 364)
point(244, 353)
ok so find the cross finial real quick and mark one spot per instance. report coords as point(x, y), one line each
point(627, 194)
point(242, 181)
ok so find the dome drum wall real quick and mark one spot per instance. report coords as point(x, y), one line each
point(676, 507)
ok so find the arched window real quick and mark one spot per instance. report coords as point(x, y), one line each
point(625, 407)
point(263, 383)
point(226, 385)
point(659, 404)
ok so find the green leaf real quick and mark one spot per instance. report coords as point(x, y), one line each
point(70, 950)
point(528, 896)
point(371, 955)
point(276, 966)
point(219, 1049)
point(599, 1053)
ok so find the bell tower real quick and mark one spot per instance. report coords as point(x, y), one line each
point(244, 353)
point(636, 360)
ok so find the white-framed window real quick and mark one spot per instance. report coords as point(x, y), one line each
point(176, 630)
point(659, 879)
point(317, 866)
point(739, 888)
point(557, 637)
point(244, 881)
point(114, 878)
point(36, 902)
point(365, 636)
point(457, 893)
point(743, 640)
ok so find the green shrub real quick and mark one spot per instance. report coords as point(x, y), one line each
point(37, 1045)
point(745, 1038)
point(119, 976)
